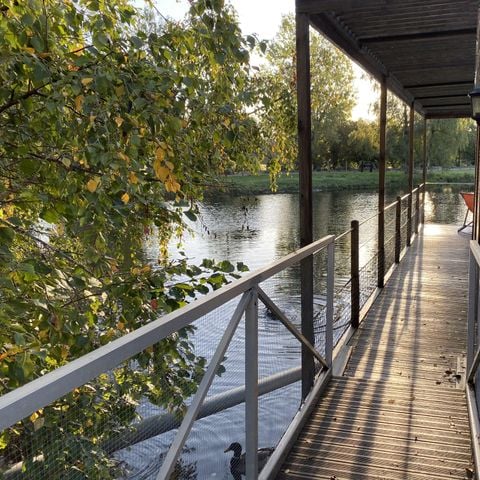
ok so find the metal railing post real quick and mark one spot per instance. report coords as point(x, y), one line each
point(417, 209)
point(251, 386)
point(409, 220)
point(398, 230)
point(381, 250)
point(355, 275)
point(330, 305)
point(473, 292)
point(423, 203)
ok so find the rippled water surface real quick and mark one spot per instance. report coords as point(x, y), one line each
point(257, 230)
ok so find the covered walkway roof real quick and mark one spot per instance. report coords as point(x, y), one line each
point(426, 50)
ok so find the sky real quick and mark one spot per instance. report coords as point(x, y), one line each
point(263, 18)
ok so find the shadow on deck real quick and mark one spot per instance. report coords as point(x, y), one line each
point(399, 411)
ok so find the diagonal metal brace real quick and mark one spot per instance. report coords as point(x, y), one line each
point(187, 423)
point(268, 302)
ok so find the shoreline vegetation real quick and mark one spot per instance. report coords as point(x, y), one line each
point(340, 180)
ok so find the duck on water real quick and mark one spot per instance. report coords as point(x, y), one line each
point(237, 462)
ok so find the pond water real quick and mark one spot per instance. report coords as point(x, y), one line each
point(256, 230)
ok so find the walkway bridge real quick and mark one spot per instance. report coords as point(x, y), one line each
point(400, 409)
point(388, 398)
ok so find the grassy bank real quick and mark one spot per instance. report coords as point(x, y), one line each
point(354, 180)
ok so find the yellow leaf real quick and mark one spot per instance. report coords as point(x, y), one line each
point(86, 81)
point(93, 184)
point(79, 103)
point(77, 49)
point(29, 50)
point(161, 173)
point(119, 91)
point(121, 326)
point(170, 165)
point(64, 352)
point(125, 198)
point(123, 157)
point(171, 185)
point(132, 178)
point(160, 153)
point(38, 423)
point(119, 121)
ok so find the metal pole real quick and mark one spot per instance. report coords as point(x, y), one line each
point(410, 175)
point(424, 174)
point(398, 230)
point(251, 387)
point(355, 275)
point(417, 209)
point(381, 184)
point(305, 178)
point(330, 305)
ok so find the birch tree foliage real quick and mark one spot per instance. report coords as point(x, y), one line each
point(109, 134)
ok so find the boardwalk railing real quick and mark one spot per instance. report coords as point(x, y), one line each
point(341, 306)
point(473, 350)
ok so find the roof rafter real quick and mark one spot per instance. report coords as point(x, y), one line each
point(418, 36)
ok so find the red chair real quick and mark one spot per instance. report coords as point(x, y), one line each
point(468, 198)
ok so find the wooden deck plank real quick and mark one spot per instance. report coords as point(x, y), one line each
point(397, 413)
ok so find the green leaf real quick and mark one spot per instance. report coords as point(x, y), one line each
point(40, 73)
point(190, 215)
point(6, 234)
point(241, 267)
point(50, 216)
point(226, 266)
point(37, 43)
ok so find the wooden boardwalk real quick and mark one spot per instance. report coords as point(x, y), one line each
point(399, 411)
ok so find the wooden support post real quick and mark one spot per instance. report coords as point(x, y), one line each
point(381, 184)
point(417, 209)
point(305, 179)
point(425, 165)
point(410, 174)
point(398, 230)
point(355, 275)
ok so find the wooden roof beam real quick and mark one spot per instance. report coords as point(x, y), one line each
point(316, 6)
point(434, 85)
point(448, 105)
point(444, 96)
point(418, 36)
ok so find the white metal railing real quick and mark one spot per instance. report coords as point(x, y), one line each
point(473, 351)
point(22, 402)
